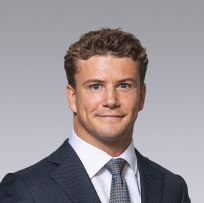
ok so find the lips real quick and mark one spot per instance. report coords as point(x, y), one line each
point(112, 117)
point(118, 116)
point(113, 114)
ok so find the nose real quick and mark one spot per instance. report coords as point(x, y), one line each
point(111, 98)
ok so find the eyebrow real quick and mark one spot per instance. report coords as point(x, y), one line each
point(127, 79)
point(93, 80)
point(102, 81)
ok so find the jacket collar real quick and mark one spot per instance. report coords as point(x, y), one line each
point(71, 175)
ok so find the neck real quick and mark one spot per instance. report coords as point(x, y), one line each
point(113, 147)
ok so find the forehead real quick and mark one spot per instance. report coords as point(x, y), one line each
point(107, 67)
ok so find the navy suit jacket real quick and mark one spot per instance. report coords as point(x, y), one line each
point(62, 178)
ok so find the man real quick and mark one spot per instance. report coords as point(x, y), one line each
point(105, 70)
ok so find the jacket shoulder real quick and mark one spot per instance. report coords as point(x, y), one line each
point(43, 168)
point(12, 187)
point(174, 186)
point(146, 162)
point(22, 185)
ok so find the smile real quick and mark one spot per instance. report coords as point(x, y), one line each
point(111, 117)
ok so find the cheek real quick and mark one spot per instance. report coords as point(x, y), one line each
point(87, 102)
point(131, 104)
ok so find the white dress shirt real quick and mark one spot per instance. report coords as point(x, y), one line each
point(94, 160)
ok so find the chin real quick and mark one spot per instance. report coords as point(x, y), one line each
point(110, 135)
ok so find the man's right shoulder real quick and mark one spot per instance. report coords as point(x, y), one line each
point(15, 185)
point(26, 181)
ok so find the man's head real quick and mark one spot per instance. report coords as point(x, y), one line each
point(106, 90)
point(105, 42)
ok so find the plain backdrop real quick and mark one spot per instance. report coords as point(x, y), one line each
point(35, 117)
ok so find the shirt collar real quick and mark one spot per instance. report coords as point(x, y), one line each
point(94, 159)
point(130, 156)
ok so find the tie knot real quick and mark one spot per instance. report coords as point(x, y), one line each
point(116, 166)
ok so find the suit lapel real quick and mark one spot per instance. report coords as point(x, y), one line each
point(71, 175)
point(151, 180)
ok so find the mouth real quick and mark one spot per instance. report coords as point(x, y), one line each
point(111, 117)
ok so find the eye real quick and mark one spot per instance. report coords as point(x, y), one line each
point(123, 85)
point(96, 87)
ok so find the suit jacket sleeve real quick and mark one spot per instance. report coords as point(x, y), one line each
point(13, 189)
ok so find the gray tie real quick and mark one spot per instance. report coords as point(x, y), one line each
point(119, 190)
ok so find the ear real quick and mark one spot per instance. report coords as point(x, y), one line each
point(142, 97)
point(71, 96)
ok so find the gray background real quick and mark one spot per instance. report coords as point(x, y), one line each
point(34, 114)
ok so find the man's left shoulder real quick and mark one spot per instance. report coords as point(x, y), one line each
point(172, 186)
point(170, 177)
point(158, 169)
point(173, 183)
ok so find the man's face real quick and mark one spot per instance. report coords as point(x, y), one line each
point(106, 99)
